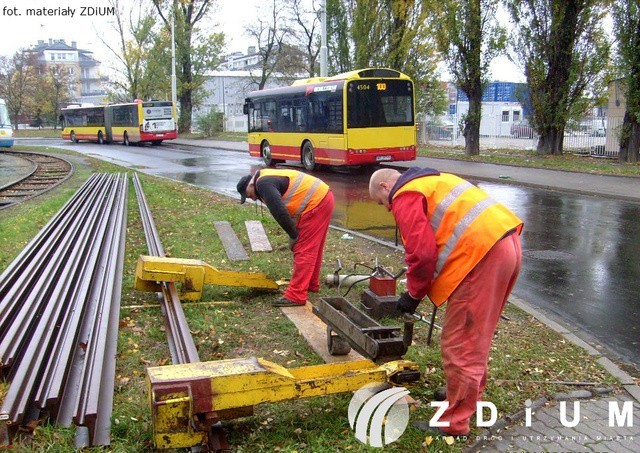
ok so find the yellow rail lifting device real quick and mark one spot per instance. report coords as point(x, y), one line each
point(187, 400)
point(193, 274)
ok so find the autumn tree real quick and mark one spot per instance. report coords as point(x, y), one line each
point(141, 52)
point(626, 17)
point(18, 77)
point(306, 33)
point(52, 90)
point(563, 50)
point(269, 33)
point(469, 39)
point(197, 51)
point(388, 33)
point(338, 37)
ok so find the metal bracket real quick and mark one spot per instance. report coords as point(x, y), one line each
point(193, 274)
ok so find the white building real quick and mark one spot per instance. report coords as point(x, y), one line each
point(226, 92)
point(87, 83)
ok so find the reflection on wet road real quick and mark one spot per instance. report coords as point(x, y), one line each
point(581, 255)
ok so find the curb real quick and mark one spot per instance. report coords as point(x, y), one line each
point(628, 384)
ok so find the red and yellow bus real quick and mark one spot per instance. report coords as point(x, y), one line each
point(357, 118)
point(135, 122)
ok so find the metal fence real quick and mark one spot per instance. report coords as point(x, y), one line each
point(592, 136)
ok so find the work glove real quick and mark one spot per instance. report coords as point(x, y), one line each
point(292, 243)
point(406, 303)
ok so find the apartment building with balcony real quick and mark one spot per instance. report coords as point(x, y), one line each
point(86, 83)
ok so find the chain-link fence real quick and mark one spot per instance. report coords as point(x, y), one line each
point(592, 136)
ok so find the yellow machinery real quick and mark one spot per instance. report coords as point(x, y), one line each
point(188, 400)
point(193, 274)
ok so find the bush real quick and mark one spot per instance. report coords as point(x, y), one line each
point(210, 123)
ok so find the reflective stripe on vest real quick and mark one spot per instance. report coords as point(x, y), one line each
point(460, 228)
point(466, 222)
point(305, 200)
point(313, 194)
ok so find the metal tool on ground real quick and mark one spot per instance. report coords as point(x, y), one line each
point(188, 400)
point(193, 274)
point(348, 327)
point(379, 300)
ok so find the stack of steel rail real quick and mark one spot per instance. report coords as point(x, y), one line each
point(59, 316)
point(181, 345)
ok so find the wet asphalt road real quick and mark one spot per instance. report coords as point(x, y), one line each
point(581, 254)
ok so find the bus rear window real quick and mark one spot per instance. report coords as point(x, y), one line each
point(379, 103)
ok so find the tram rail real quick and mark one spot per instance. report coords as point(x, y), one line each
point(59, 312)
point(179, 339)
point(48, 172)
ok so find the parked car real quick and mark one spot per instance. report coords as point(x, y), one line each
point(522, 129)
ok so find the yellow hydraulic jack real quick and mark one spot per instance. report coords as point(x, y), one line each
point(188, 400)
point(193, 274)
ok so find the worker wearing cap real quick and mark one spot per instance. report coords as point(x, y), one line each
point(461, 247)
point(302, 205)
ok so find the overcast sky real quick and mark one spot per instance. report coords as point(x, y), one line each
point(21, 30)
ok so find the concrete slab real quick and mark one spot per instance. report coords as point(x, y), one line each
point(257, 236)
point(230, 242)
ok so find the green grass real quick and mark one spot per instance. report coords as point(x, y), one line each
point(45, 133)
point(529, 158)
point(240, 322)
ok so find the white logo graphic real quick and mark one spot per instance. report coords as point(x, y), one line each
point(375, 406)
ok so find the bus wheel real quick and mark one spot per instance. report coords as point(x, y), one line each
point(265, 151)
point(308, 157)
point(125, 139)
point(74, 139)
point(156, 142)
point(100, 138)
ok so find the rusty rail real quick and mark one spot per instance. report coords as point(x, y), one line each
point(181, 345)
point(59, 311)
point(48, 172)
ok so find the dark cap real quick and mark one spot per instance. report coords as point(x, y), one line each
point(242, 187)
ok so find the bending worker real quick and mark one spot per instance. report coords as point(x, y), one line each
point(463, 248)
point(302, 205)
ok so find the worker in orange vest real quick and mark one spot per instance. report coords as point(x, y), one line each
point(461, 247)
point(303, 206)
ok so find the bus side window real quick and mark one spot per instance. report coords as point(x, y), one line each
point(334, 113)
point(318, 113)
point(299, 115)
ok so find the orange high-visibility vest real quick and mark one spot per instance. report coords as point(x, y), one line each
point(466, 222)
point(305, 192)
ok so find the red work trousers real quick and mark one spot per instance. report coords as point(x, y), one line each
point(308, 249)
point(473, 312)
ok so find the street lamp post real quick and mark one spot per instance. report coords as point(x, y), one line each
point(323, 37)
point(174, 94)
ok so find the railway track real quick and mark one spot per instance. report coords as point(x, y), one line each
point(48, 172)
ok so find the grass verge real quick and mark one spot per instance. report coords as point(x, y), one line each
point(529, 158)
point(239, 322)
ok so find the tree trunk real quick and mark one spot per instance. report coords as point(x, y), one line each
point(551, 142)
point(630, 139)
point(186, 108)
point(472, 122)
point(186, 93)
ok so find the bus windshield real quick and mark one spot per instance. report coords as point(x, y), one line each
point(4, 116)
point(379, 103)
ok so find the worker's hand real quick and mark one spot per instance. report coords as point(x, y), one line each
point(406, 303)
point(292, 243)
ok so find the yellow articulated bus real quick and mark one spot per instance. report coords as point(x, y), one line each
point(361, 117)
point(135, 122)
